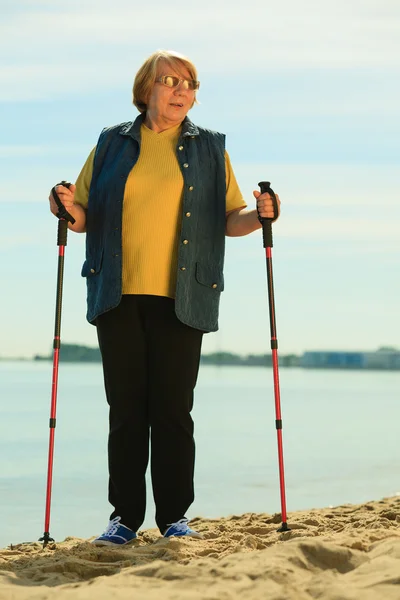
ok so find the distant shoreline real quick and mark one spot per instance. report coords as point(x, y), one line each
point(384, 359)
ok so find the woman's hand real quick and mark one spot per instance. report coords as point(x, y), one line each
point(242, 222)
point(66, 197)
point(265, 205)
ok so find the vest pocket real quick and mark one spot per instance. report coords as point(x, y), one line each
point(92, 265)
point(211, 276)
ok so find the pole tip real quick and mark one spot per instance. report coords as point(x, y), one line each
point(46, 539)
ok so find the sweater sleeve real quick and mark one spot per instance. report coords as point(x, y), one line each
point(84, 180)
point(234, 198)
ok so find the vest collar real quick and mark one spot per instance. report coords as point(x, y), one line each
point(133, 128)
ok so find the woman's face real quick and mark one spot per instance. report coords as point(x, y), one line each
point(168, 106)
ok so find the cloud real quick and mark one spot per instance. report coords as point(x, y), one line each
point(25, 81)
point(20, 151)
point(341, 229)
point(8, 241)
point(15, 151)
point(315, 186)
point(77, 46)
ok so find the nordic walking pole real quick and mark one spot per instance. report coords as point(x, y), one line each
point(267, 240)
point(63, 218)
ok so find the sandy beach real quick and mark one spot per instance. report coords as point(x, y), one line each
point(348, 552)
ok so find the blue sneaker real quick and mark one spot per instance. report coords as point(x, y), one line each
point(181, 528)
point(115, 534)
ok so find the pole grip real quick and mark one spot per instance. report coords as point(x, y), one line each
point(62, 232)
point(62, 211)
point(265, 187)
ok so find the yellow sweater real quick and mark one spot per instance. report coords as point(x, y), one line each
point(152, 210)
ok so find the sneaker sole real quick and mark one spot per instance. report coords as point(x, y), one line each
point(193, 535)
point(105, 543)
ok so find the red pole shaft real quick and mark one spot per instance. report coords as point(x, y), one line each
point(275, 366)
point(279, 434)
point(53, 410)
point(53, 406)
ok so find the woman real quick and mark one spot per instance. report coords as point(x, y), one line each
point(154, 277)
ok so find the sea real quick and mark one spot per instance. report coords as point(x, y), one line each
point(341, 444)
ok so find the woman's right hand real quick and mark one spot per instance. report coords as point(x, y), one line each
point(66, 196)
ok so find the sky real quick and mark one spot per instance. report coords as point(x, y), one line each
point(308, 94)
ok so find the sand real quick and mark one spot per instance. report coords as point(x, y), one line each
point(349, 552)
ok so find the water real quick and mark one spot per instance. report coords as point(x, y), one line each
point(340, 433)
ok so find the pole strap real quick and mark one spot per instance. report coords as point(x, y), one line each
point(62, 211)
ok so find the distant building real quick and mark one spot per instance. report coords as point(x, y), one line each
point(383, 359)
point(332, 360)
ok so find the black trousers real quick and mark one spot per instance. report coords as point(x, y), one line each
point(150, 364)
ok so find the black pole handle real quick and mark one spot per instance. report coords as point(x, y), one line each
point(266, 223)
point(62, 211)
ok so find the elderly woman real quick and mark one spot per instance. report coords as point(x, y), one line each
point(156, 198)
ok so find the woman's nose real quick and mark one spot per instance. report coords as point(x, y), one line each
point(179, 88)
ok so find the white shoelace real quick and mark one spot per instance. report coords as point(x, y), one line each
point(181, 525)
point(112, 526)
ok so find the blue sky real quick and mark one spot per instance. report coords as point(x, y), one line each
point(308, 94)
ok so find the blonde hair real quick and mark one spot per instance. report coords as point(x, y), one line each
point(146, 76)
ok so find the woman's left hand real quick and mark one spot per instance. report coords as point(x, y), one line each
point(265, 205)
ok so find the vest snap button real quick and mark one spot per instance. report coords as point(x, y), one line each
point(188, 214)
point(191, 188)
point(183, 268)
point(214, 285)
point(185, 241)
point(92, 270)
point(185, 165)
point(180, 148)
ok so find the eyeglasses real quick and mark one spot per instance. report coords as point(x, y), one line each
point(171, 81)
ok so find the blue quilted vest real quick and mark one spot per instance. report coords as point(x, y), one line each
point(201, 156)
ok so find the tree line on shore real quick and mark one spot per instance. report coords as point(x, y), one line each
point(78, 353)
